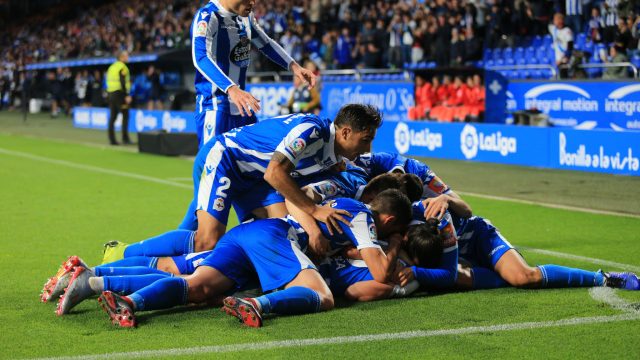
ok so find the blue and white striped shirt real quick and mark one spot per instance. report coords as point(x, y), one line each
point(573, 7)
point(305, 139)
point(221, 51)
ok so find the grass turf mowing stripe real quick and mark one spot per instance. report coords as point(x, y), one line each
point(604, 295)
point(93, 168)
point(550, 205)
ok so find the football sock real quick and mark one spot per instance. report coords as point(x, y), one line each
point(146, 261)
point(175, 242)
point(162, 294)
point(560, 276)
point(190, 220)
point(96, 284)
point(294, 300)
point(129, 284)
point(133, 270)
point(484, 278)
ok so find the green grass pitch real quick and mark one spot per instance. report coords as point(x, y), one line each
point(64, 194)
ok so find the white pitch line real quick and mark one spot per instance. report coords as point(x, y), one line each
point(296, 343)
point(93, 168)
point(562, 255)
point(550, 205)
point(600, 294)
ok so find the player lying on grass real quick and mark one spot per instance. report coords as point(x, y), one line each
point(493, 263)
point(71, 284)
point(273, 249)
point(235, 168)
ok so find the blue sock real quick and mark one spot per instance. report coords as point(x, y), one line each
point(294, 300)
point(128, 284)
point(145, 261)
point(132, 270)
point(484, 278)
point(554, 276)
point(162, 294)
point(175, 242)
point(190, 220)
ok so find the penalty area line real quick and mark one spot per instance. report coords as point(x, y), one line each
point(297, 343)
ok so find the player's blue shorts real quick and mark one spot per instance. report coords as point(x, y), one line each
point(267, 248)
point(211, 123)
point(481, 244)
point(188, 263)
point(340, 273)
point(260, 195)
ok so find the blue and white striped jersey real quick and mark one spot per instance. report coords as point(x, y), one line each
point(221, 51)
point(383, 162)
point(362, 234)
point(305, 139)
point(349, 183)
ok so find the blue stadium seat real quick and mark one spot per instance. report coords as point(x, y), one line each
point(594, 72)
point(507, 53)
point(499, 62)
point(509, 61)
point(487, 54)
point(497, 53)
point(518, 53)
point(541, 53)
point(635, 60)
point(581, 40)
point(588, 47)
point(547, 40)
point(529, 52)
point(537, 41)
point(531, 60)
point(514, 74)
point(490, 63)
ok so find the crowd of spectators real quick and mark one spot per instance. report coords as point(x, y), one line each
point(335, 34)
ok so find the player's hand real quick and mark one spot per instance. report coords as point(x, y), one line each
point(244, 101)
point(351, 252)
point(331, 217)
point(319, 245)
point(127, 99)
point(404, 276)
point(305, 75)
point(436, 207)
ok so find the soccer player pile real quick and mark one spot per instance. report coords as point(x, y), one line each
point(321, 217)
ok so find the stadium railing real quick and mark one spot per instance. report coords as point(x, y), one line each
point(340, 75)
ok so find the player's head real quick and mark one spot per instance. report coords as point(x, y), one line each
point(558, 20)
point(356, 126)
point(392, 210)
point(123, 56)
point(411, 185)
point(425, 243)
point(379, 184)
point(239, 7)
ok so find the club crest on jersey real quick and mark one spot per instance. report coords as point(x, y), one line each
point(201, 28)
point(373, 234)
point(329, 188)
point(218, 204)
point(241, 53)
point(297, 146)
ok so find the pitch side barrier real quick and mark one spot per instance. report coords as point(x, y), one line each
point(604, 151)
point(139, 120)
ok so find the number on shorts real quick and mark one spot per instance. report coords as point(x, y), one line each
point(225, 184)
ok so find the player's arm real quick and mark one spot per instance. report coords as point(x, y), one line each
point(381, 265)
point(318, 244)
point(278, 176)
point(440, 198)
point(372, 290)
point(271, 49)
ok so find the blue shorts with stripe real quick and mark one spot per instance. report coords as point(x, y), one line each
point(340, 273)
point(266, 248)
point(211, 123)
point(481, 244)
point(188, 263)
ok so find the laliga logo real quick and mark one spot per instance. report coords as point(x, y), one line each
point(143, 121)
point(402, 138)
point(405, 138)
point(471, 142)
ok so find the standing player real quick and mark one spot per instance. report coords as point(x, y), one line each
point(274, 250)
point(232, 170)
point(221, 36)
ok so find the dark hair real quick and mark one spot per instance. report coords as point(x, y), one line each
point(393, 202)
point(381, 183)
point(412, 186)
point(425, 243)
point(359, 117)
